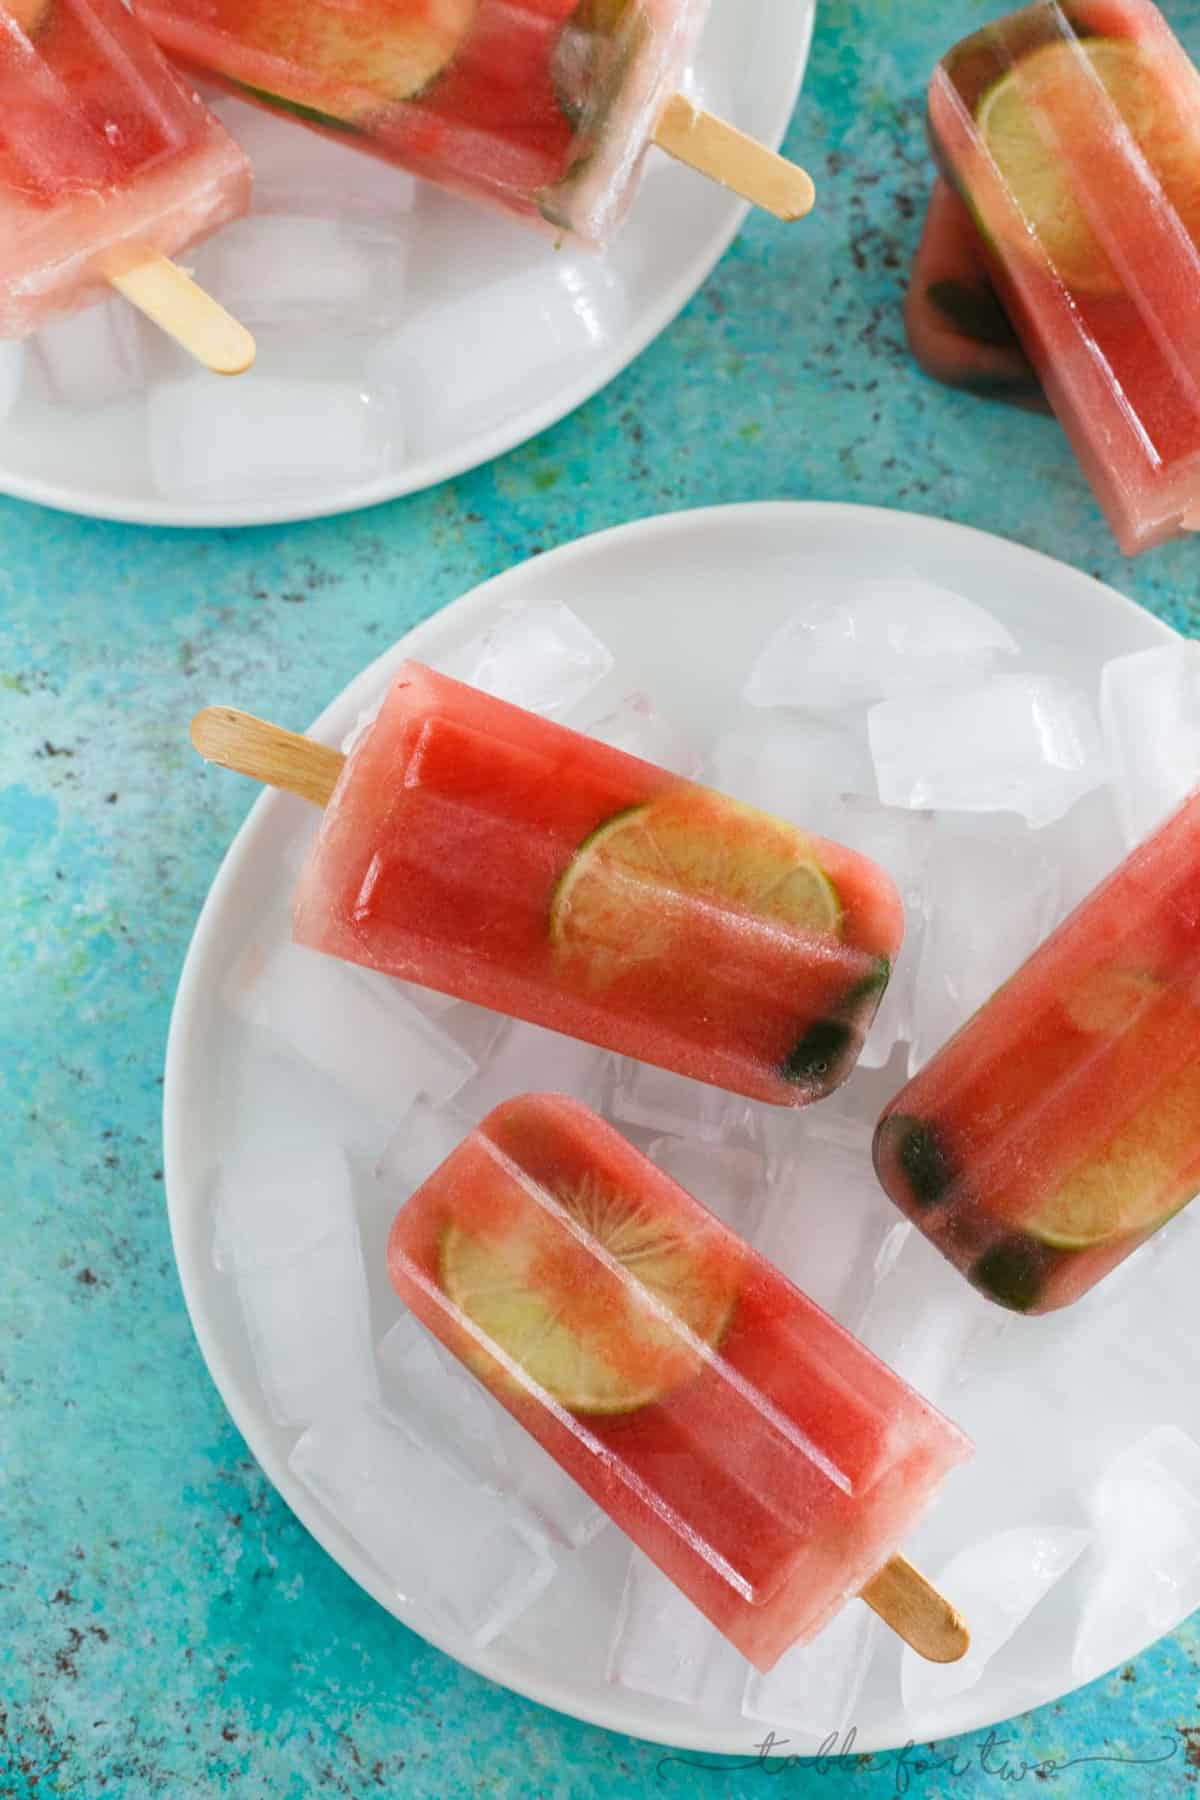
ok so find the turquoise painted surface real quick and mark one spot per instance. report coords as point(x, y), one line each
point(165, 1625)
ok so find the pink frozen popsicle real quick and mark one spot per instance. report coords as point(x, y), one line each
point(758, 1454)
point(483, 851)
point(109, 165)
point(544, 108)
point(1075, 140)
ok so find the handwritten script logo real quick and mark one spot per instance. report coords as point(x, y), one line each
point(837, 1754)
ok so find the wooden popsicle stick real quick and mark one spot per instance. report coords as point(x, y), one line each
point(916, 1612)
point(281, 759)
point(180, 307)
point(725, 154)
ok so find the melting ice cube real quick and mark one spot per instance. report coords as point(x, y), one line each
point(848, 641)
point(443, 1541)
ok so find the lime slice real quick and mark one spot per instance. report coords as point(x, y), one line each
point(29, 15)
point(1134, 1185)
point(594, 1343)
point(1036, 175)
point(629, 894)
point(377, 62)
point(1109, 1000)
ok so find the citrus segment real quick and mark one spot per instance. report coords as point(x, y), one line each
point(1046, 83)
point(377, 62)
point(1134, 1184)
point(630, 894)
point(29, 15)
point(599, 1332)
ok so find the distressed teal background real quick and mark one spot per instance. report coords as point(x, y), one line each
point(165, 1626)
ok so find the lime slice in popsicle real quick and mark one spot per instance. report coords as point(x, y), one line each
point(626, 896)
point(377, 62)
point(583, 1337)
point(1034, 172)
point(1133, 1186)
point(29, 15)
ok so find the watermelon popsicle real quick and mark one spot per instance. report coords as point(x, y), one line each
point(956, 328)
point(543, 108)
point(483, 851)
point(1061, 1125)
point(1074, 139)
point(108, 167)
point(759, 1455)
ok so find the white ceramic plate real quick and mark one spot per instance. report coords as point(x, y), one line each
point(685, 603)
point(521, 336)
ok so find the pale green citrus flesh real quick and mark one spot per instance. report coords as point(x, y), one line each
point(625, 897)
point(29, 15)
point(377, 63)
point(1034, 172)
point(505, 1288)
point(1122, 1192)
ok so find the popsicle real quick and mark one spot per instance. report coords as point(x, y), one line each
point(109, 166)
point(957, 329)
point(1074, 139)
point(483, 851)
point(1060, 1126)
point(541, 107)
point(759, 1455)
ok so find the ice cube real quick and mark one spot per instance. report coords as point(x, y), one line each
point(901, 843)
point(665, 1102)
point(895, 1021)
point(361, 726)
point(1150, 713)
point(476, 1028)
point(849, 641)
point(662, 1644)
point(815, 1687)
point(827, 1223)
point(357, 1027)
point(12, 375)
point(926, 1322)
point(1018, 743)
point(732, 1183)
point(299, 173)
point(995, 1584)
point(847, 1116)
point(543, 658)
point(426, 1388)
point(264, 437)
point(1085, 847)
point(287, 1235)
point(635, 727)
point(424, 1384)
point(1145, 1577)
point(90, 358)
point(274, 270)
point(467, 363)
point(990, 903)
point(422, 1142)
point(797, 771)
point(443, 1541)
point(530, 1060)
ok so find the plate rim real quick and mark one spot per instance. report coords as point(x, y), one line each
point(541, 1687)
point(476, 452)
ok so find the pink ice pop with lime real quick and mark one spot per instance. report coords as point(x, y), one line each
point(483, 851)
point(760, 1456)
point(1074, 139)
point(109, 164)
point(543, 108)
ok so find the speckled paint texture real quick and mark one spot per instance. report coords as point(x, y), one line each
point(166, 1627)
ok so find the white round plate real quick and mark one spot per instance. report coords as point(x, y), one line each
point(685, 603)
point(385, 382)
